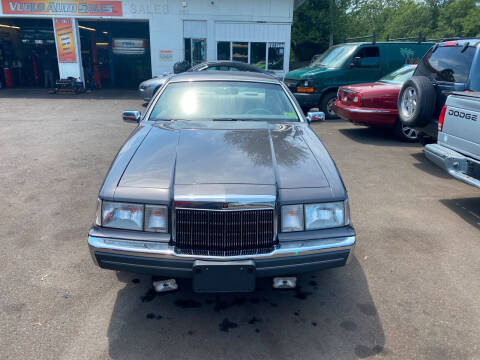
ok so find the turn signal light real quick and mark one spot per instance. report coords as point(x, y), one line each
point(305, 89)
point(442, 118)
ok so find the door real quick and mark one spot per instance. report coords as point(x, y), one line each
point(364, 66)
point(198, 51)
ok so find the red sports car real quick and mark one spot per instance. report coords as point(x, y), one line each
point(375, 104)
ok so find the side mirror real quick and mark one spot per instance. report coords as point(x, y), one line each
point(356, 61)
point(315, 116)
point(131, 116)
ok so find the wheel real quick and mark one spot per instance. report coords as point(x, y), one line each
point(405, 133)
point(326, 104)
point(416, 102)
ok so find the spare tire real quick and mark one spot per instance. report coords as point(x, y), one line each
point(416, 102)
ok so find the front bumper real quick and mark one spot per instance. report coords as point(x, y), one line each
point(288, 258)
point(457, 165)
point(307, 100)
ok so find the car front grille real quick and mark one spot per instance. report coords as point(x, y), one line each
point(224, 233)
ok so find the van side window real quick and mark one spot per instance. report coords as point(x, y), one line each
point(369, 56)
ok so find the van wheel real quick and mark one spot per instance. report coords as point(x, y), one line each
point(405, 133)
point(416, 101)
point(326, 104)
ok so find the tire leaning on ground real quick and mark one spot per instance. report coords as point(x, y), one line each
point(326, 104)
point(416, 102)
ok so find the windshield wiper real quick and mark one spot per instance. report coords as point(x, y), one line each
point(229, 119)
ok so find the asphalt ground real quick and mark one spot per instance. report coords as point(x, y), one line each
point(411, 292)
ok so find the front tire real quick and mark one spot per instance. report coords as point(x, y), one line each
point(326, 104)
point(405, 133)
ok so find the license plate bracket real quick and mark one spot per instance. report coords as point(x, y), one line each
point(229, 276)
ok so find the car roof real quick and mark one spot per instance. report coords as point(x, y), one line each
point(461, 42)
point(389, 43)
point(223, 76)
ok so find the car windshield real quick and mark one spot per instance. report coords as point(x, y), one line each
point(334, 57)
point(399, 76)
point(224, 101)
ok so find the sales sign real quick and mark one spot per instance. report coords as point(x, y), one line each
point(65, 40)
point(63, 7)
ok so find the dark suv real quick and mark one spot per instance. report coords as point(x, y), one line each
point(452, 65)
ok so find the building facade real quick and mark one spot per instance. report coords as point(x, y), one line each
point(252, 31)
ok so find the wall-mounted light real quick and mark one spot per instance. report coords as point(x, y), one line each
point(10, 27)
point(105, 32)
point(86, 28)
point(101, 44)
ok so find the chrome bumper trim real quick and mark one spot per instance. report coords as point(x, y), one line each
point(367, 111)
point(166, 251)
point(452, 162)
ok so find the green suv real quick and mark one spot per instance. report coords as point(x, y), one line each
point(351, 63)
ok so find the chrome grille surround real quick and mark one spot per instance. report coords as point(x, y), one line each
point(224, 232)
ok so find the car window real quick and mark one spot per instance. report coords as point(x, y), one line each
point(399, 76)
point(369, 56)
point(224, 100)
point(447, 63)
point(334, 57)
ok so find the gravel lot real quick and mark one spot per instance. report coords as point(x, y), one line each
point(412, 291)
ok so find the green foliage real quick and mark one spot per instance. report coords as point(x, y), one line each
point(316, 19)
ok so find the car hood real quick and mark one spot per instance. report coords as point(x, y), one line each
point(166, 160)
point(188, 153)
point(155, 81)
point(308, 72)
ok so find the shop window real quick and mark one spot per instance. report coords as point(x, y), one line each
point(195, 51)
point(223, 50)
point(258, 52)
point(275, 56)
point(240, 51)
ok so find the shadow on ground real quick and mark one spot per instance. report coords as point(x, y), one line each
point(429, 167)
point(468, 209)
point(373, 136)
point(40, 93)
point(332, 313)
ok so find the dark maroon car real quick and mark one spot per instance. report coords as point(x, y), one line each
point(375, 104)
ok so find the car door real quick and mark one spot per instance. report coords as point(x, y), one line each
point(364, 66)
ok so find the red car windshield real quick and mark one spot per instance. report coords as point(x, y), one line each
point(399, 76)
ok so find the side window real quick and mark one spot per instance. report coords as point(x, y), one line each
point(369, 57)
point(223, 50)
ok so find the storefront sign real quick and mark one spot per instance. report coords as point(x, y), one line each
point(166, 55)
point(63, 7)
point(65, 40)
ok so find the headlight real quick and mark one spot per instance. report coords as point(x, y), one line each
point(315, 216)
point(305, 86)
point(122, 215)
point(156, 218)
point(326, 215)
point(292, 218)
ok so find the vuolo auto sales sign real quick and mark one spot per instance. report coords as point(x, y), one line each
point(63, 7)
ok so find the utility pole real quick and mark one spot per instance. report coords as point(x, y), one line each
point(331, 4)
